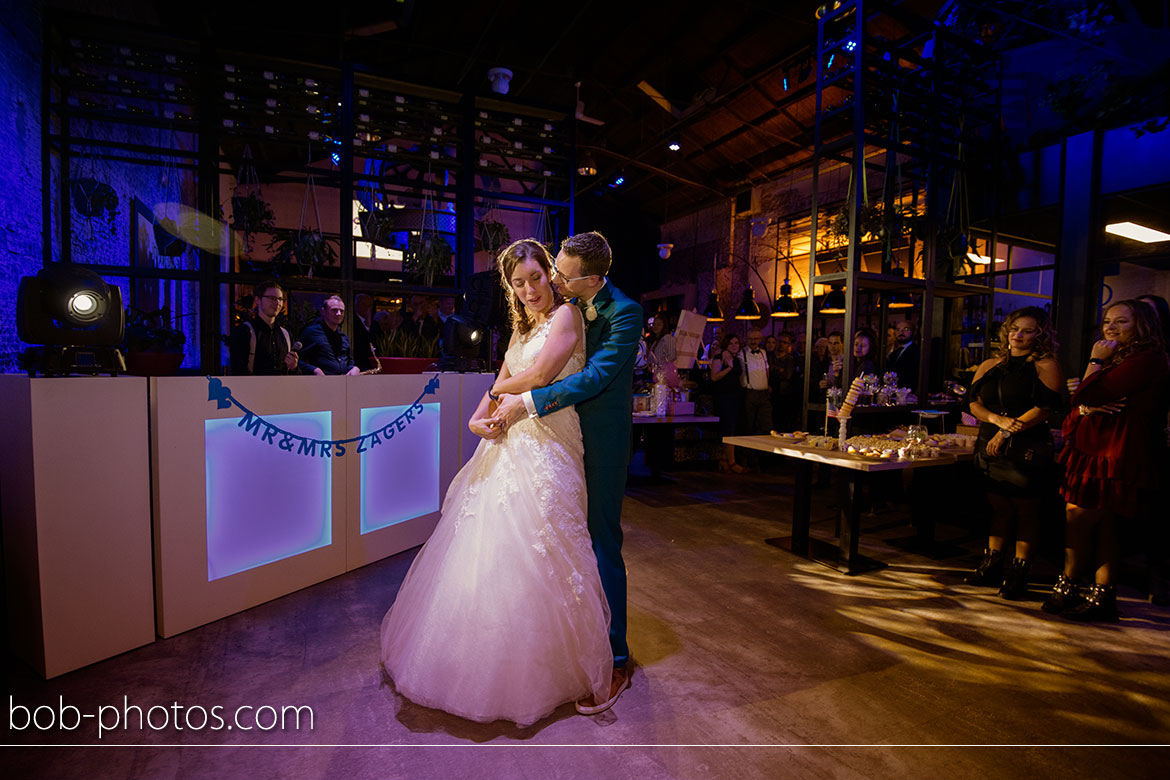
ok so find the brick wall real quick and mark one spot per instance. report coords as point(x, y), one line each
point(20, 163)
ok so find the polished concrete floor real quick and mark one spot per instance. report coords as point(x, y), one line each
point(751, 663)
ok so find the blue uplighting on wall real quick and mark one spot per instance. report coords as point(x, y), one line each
point(264, 505)
point(400, 480)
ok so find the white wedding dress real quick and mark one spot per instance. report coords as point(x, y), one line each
point(502, 615)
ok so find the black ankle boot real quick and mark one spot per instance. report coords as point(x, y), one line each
point(1015, 580)
point(1099, 606)
point(989, 571)
point(1065, 595)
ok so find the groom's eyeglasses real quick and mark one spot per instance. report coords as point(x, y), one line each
point(558, 274)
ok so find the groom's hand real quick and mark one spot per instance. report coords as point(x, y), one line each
point(510, 410)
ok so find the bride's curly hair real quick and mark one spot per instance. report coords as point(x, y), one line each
point(515, 253)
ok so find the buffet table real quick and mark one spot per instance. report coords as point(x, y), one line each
point(855, 469)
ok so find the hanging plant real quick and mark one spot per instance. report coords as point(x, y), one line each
point(92, 199)
point(307, 247)
point(251, 214)
point(428, 257)
point(166, 238)
point(379, 226)
point(491, 236)
point(870, 216)
point(307, 250)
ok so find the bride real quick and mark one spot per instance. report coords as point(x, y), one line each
point(502, 615)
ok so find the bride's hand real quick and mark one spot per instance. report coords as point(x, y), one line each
point(511, 409)
point(484, 428)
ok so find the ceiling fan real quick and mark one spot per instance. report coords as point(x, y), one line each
point(581, 117)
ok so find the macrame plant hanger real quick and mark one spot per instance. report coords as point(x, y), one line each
point(166, 230)
point(310, 194)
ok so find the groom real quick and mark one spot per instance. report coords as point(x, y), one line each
point(603, 395)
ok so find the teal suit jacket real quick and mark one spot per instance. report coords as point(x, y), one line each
point(603, 390)
point(603, 394)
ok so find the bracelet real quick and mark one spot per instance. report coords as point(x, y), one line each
point(1096, 362)
point(492, 396)
point(1083, 410)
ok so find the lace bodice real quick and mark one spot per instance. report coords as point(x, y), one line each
point(523, 353)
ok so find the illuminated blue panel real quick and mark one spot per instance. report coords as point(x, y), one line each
point(265, 504)
point(400, 477)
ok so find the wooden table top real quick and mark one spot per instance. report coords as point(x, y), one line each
point(847, 460)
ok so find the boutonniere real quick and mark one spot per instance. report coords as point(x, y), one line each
point(590, 312)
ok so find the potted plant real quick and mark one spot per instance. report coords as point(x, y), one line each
point(380, 227)
point(408, 353)
point(428, 256)
point(151, 345)
point(250, 215)
point(307, 248)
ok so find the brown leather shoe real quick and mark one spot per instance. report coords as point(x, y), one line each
point(618, 683)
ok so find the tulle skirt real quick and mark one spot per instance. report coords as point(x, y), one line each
point(502, 615)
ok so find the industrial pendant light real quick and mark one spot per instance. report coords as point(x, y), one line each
point(834, 302)
point(785, 305)
point(748, 308)
point(713, 312)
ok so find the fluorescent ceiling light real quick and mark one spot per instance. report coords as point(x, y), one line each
point(1137, 232)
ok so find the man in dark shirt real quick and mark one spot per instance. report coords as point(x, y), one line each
point(363, 331)
point(326, 348)
point(258, 345)
point(903, 359)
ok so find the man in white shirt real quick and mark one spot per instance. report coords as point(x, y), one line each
point(757, 418)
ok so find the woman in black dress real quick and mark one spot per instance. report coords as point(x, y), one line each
point(1013, 395)
point(726, 373)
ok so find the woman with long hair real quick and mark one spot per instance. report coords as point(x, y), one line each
point(1013, 395)
point(726, 371)
point(864, 352)
point(509, 579)
point(1111, 464)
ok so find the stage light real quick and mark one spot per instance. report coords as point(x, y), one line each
point(850, 45)
point(74, 317)
point(674, 146)
point(1137, 232)
point(461, 339)
point(619, 181)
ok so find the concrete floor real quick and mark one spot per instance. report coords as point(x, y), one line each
point(751, 663)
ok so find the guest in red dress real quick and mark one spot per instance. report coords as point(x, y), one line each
point(1110, 454)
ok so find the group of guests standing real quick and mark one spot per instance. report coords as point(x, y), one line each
point(902, 357)
point(756, 386)
point(1111, 470)
point(260, 346)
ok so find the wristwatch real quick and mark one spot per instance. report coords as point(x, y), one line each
point(492, 396)
point(1096, 362)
